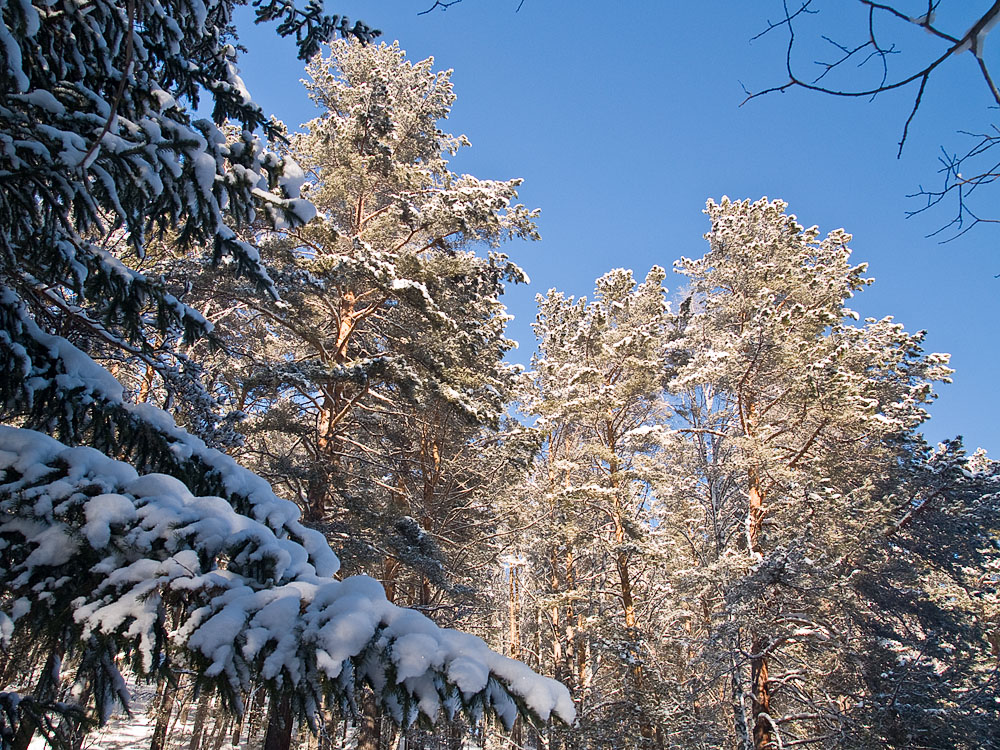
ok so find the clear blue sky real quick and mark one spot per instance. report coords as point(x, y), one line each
point(623, 118)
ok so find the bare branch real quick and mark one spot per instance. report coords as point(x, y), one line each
point(913, 113)
point(961, 185)
point(804, 8)
point(871, 50)
point(970, 41)
point(442, 4)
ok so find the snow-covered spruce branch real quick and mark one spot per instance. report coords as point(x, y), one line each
point(81, 530)
point(311, 26)
point(56, 720)
point(60, 388)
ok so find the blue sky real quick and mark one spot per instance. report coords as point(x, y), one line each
point(624, 118)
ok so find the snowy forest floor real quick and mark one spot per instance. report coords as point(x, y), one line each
point(135, 732)
point(124, 732)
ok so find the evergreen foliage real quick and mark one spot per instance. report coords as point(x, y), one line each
point(101, 159)
point(99, 137)
point(801, 418)
point(375, 390)
point(124, 551)
point(718, 525)
point(747, 474)
point(597, 378)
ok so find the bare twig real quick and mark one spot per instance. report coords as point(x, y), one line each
point(970, 41)
point(442, 4)
point(870, 49)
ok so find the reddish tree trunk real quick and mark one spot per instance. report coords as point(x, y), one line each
point(164, 707)
point(200, 714)
point(760, 691)
point(760, 699)
point(370, 731)
point(279, 724)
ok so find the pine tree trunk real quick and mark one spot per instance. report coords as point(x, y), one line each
point(760, 692)
point(279, 724)
point(646, 729)
point(204, 703)
point(755, 513)
point(221, 731)
point(181, 714)
point(621, 556)
point(146, 386)
point(239, 722)
point(393, 738)
point(554, 615)
point(370, 730)
point(328, 736)
point(164, 708)
point(318, 486)
point(337, 401)
point(516, 734)
point(254, 714)
point(576, 643)
point(624, 577)
point(513, 638)
point(760, 699)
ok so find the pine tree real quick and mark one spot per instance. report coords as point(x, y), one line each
point(387, 303)
point(804, 570)
point(375, 388)
point(809, 416)
point(377, 385)
point(598, 375)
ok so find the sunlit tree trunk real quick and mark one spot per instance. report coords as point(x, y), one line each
point(760, 690)
point(369, 733)
point(200, 716)
point(279, 724)
point(164, 707)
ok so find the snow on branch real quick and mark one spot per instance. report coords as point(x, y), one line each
point(60, 388)
point(84, 531)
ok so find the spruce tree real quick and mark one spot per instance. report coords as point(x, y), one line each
point(927, 610)
point(99, 141)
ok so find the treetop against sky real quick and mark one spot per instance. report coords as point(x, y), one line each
point(623, 124)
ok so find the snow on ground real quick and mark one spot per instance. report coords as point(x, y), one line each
point(123, 732)
point(120, 734)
